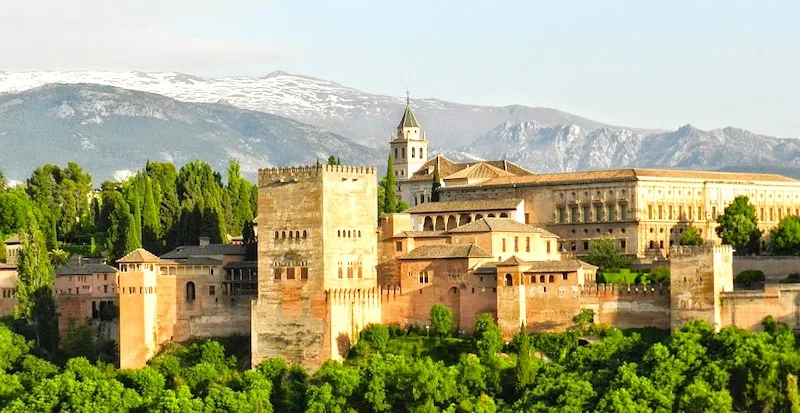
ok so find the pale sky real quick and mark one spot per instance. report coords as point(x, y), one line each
point(654, 64)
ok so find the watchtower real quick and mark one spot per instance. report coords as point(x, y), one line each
point(697, 277)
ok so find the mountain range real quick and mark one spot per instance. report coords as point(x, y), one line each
point(282, 119)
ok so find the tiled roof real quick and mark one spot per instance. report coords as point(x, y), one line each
point(427, 252)
point(457, 206)
point(187, 251)
point(537, 266)
point(633, 174)
point(447, 168)
point(498, 225)
point(512, 260)
point(422, 234)
point(192, 261)
point(242, 264)
point(139, 255)
point(4, 266)
point(14, 239)
point(408, 120)
point(479, 170)
point(74, 268)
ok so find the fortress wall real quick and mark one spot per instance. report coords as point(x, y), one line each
point(747, 309)
point(350, 311)
point(73, 306)
point(403, 308)
point(775, 268)
point(628, 306)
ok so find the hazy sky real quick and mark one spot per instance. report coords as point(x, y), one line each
point(657, 64)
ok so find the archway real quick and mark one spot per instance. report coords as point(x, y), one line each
point(451, 222)
point(453, 301)
point(464, 219)
point(439, 224)
point(509, 280)
point(503, 215)
point(427, 225)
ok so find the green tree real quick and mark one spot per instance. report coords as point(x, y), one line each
point(58, 257)
point(606, 255)
point(165, 178)
point(750, 277)
point(332, 160)
point(389, 189)
point(437, 183)
point(584, 318)
point(121, 233)
point(525, 369)
point(441, 321)
point(691, 236)
point(36, 275)
point(151, 222)
point(737, 224)
point(488, 337)
point(785, 238)
point(376, 335)
point(3, 182)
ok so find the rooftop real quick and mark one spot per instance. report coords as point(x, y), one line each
point(427, 252)
point(457, 206)
point(447, 168)
point(536, 266)
point(422, 234)
point(85, 268)
point(499, 225)
point(139, 255)
point(192, 261)
point(408, 120)
point(632, 174)
point(187, 251)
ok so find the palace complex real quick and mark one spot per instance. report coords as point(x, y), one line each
point(500, 240)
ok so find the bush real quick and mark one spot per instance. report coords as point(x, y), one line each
point(749, 277)
point(660, 275)
point(376, 335)
point(792, 278)
point(441, 321)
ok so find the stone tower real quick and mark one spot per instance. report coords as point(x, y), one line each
point(697, 277)
point(409, 148)
point(138, 306)
point(317, 252)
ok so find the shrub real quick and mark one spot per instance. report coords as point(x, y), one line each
point(376, 335)
point(749, 277)
point(441, 321)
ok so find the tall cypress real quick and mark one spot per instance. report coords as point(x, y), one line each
point(151, 223)
point(437, 183)
point(389, 195)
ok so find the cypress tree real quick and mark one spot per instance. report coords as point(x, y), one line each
point(525, 368)
point(120, 236)
point(151, 223)
point(389, 195)
point(36, 275)
point(437, 183)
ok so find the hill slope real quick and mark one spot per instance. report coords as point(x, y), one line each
point(108, 129)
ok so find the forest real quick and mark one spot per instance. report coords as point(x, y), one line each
point(591, 368)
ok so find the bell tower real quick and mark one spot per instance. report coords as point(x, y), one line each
point(409, 148)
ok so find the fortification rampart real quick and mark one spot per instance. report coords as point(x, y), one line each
point(269, 175)
point(626, 290)
point(748, 308)
point(694, 250)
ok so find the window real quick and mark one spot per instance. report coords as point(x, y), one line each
point(413, 152)
point(349, 271)
point(423, 277)
point(660, 212)
point(395, 153)
point(551, 278)
point(212, 290)
point(105, 277)
point(504, 245)
point(190, 291)
point(516, 244)
point(528, 244)
point(623, 212)
point(303, 273)
point(533, 279)
point(565, 276)
point(548, 246)
point(586, 245)
point(623, 244)
point(573, 214)
point(612, 213)
point(290, 273)
point(561, 215)
point(541, 278)
point(509, 280)
point(598, 213)
point(341, 272)
point(105, 288)
point(572, 246)
point(586, 214)
point(360, 272)
point(277, 274)
point(699, 212)
point(277, 235)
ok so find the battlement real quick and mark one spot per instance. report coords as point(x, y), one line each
point(296, 173)
point(615, 289)
point(689, 250)
point(349, 295)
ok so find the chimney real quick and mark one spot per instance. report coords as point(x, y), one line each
point(205, 241)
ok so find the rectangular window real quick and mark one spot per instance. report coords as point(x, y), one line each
point(528, 244)
point(586, 214)
point(661, 244)
point(660, 212)
point(516, 244)
point(527, 218)
point(277, 273)
point(504, 245)
point(573, 246)
point(561, 215)
point(700, 213)
point(573, 214)
point(680, 212)
point(349, 271)
point(548, 246)
point(586, 245)
point(598, 213)
point(304, 273)
point(399, 246)
point(212, 290)
point(341, 272)
point(771, 214)
point(105, 288)
point(691, 212)
point(360, 272)
point(612, 213)
point(670, 212)
point(622, 244)
point(649, 212)
point(762, 214)
point(623, 212)
point(290, 273)
point(564, 277)
point(105, 277)
point(713, 212)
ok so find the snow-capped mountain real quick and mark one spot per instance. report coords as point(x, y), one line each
point(112, 131)
point(572, 148)
point(366, 118)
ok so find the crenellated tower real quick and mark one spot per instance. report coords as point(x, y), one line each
point(409, 146)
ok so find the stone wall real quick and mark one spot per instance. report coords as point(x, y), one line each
point(775, 268)
point(628, 306)
point(747, 309)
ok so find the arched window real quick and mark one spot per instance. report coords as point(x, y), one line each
point(454, 290)
point(349, 234)
point(395, 153)
point(413, 152)
point(283, 234)
point(359, 233)
point(503, 215)
point(297, 234)
point(490, 216)
point(190, 291)
point(533, 279)
point(509, 280)
point(552, 278)
point(541, 278)
point(290, 234)
point(277, 235)
point(479, 216)
point(305, 234)
point(421, 153)
point(339, 233)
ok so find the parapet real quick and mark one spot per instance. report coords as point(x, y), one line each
point(616, 289)
point(691, 250)
point(297, 173)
